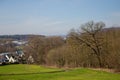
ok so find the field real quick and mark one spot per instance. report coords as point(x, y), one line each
point(35, 72)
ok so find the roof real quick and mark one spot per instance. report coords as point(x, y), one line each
point(4, 54)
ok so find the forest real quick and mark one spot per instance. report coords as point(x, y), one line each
point(93, 45)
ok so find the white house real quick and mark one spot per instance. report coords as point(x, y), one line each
point(9, 57)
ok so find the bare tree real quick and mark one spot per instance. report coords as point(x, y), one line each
point(90, 36)
point(38, 47)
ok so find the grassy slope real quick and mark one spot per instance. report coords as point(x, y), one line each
point(19, 68)
point(75, 74)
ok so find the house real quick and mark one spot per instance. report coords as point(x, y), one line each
point(4, 58)
point(20, 53)
point(11, 57)
point(30, 60)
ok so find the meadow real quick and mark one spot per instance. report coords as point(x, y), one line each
point(36, 72)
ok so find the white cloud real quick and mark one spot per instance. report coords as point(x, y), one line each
point(38, 25)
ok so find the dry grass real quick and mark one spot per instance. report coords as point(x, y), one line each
point(104, 69)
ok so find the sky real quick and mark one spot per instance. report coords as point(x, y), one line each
point(55, 17)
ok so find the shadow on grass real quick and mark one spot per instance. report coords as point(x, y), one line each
point(11, 74)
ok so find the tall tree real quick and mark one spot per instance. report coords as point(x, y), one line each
point(90, 36)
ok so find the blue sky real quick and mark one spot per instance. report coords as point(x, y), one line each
point(55, 17)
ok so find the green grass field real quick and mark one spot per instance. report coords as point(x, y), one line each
point(34, 72)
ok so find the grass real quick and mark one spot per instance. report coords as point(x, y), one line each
point(44, 73)
point(20, 68)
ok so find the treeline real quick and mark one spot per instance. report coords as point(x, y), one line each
point(91, 46)
point(17, 37)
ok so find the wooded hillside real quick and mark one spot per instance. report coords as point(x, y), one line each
point(91, 46)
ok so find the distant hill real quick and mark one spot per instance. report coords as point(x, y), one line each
point(111, 28)
point(19, 37)
point(26, 37)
